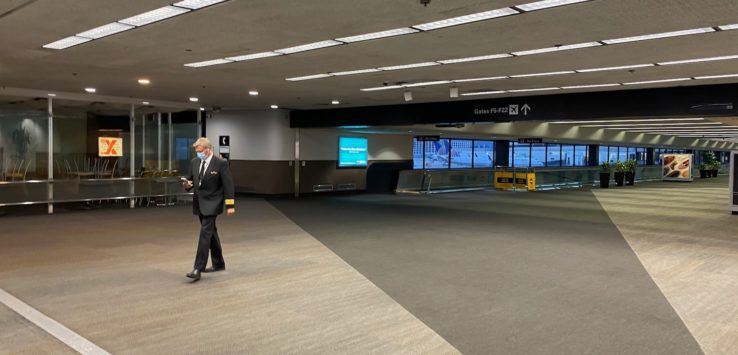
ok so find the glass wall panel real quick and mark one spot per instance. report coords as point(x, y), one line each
point(554, 155)
point(437, 154)
point(567, 155)
point(581, 155)
point(484, 153)
point(24, 141)
point(417, 154)
point(521, 156)
point(538, 154)
point(461, 153)
point(613, 154)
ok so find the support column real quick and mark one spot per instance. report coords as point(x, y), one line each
point(143, 140)
point(50, 117)
point(170, 140)
point(297, 162)
point(132, 186)
point(199, 123)
point(158, 141)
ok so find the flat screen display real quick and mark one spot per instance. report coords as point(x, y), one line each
point(352, 152)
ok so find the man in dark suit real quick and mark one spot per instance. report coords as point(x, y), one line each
point(211, 179)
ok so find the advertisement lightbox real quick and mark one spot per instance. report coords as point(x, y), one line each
point(352, 152)
point(676, 167)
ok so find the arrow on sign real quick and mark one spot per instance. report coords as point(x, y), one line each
point(525, 109)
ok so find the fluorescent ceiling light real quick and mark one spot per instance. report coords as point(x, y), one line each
point(657, 81)
point(716, 76)
point(699, 60)
point(309, 47)
point(352, 72)
point(105, 30)
point(615, 68)
point(558, 48)
point(308, 77)
point(728, 27)
point(630, 120)
point(194, 99)
point(375, 35)
point(253, 93)
point(91, 90)
point(208, 63)
point(588, 86)
point(480, 16)
point(145, 102)
point(530, 90)
point(659, 35)
point(481, 79)
point(67, 42)
point(428, 83)
point(408, 66)
point(144, 81)
point(474, 59)
point(379, 88)
point(630, 125)
point(274, 106)
point(241, 58)
point(483, 93)
point(545, 4)
point(196, 4)
point(543, 74)
point(152, 16)
point(335, 102)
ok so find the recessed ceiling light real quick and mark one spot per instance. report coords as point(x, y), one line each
point(408, 66)
point(145, 102)
point(202, 109)
point(717, 76)
point(244, 57)
point(484, 93)
point(375, 35)
point(194, 99)
point(152, 16)
point(657, 81)
point(545, 4)
point(538, 89)
point(253, 93)
point(615, 68)
point(52, 95)
point(91, 90)
point(67, 42)
point(474, 59)
point(144, 81)
point(309, 47)
point(558, 48)
point(589, 86)
point(699, 60)
point(208, 63)
point(274, 106)
point(481, 79)
point(105, 30)
point(428, 83)
point(543, 74)
point(728, 27)
point(335, 102)
point(480, 16)
point(660, 35)
point(352, 72)
point(196, 4)
point(308, 77)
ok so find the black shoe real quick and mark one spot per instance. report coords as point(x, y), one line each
point(195, 274)
point(214, 269)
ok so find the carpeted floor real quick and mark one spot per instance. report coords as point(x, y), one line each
point(503, 272)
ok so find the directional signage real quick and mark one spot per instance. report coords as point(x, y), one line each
point(428, 138)
point(224, 141)
point(530, 140)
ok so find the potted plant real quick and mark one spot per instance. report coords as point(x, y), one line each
point(703, 170)
point(712, 164)
point(619, 173)
point(605, 169)
point(630, 171)
point(715, 168)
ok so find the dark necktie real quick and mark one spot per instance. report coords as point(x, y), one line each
point(202, 172)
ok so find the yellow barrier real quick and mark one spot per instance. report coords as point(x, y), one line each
point(504, 180)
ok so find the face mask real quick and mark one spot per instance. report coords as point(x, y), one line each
point(201, 155)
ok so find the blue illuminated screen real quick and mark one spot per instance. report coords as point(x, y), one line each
point(352, 152)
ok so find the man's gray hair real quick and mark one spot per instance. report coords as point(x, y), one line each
point(203, 142)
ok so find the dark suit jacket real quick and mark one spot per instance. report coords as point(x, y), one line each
point(216, 190)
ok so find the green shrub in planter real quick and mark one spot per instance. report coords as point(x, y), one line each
point(619, 173)
point(605, 170)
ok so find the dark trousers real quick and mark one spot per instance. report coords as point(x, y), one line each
point(209, 242)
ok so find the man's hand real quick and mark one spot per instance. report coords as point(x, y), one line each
point(231, 211)
point(187, 184)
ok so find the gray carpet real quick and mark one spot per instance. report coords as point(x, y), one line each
point(501, 272)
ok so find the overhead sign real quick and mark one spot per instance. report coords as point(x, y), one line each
point(428, 138)
point(110, 146)
point(530, 140)
point(224, 141)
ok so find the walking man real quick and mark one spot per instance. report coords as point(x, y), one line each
point(211, 178)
